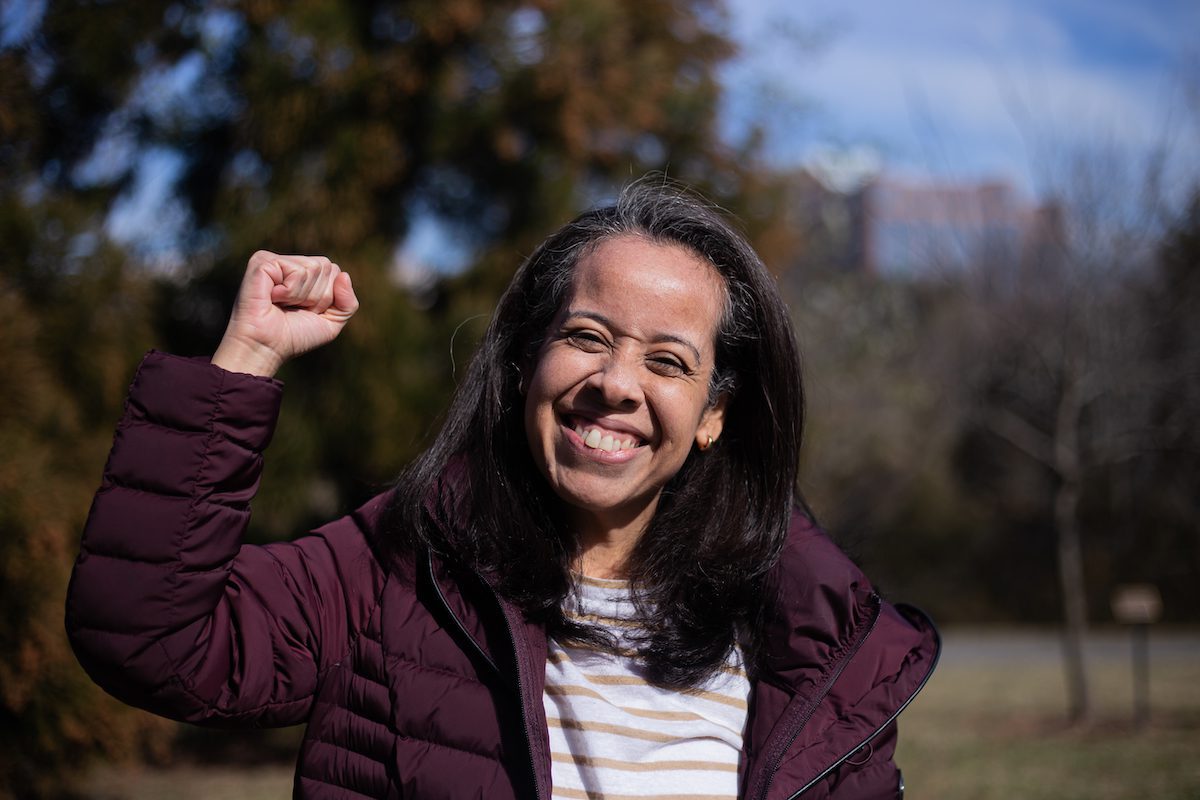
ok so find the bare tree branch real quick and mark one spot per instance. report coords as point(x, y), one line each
point(1018, 432)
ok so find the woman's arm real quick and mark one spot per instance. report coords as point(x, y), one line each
point(166, 609)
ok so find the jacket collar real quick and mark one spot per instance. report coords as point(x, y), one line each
point(839, 665)
point(819, 601)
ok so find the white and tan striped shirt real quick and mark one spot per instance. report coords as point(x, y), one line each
point(613, 736)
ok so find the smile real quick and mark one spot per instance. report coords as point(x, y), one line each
point(596, 437)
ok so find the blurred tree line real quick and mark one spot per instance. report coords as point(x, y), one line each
point(147, 149)
point(1012, 440)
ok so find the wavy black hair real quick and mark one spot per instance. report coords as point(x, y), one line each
point(477, 498)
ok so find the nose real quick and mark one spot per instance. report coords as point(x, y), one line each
point(618, 381)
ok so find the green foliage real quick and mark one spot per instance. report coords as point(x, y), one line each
point(329, 127)
point(66, 350)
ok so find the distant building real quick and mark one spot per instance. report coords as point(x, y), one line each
point(912, 228)
point(884, 225)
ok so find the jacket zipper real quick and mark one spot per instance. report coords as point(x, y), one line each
point(512, 638)
point(928, 674)
point(462, 629)
point(777, 757)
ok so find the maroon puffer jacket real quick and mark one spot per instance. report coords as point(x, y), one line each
point(416, 681)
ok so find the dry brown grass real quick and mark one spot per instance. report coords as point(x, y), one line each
point(998, 730)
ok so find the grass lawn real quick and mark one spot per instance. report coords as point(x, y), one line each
point(996, 730)
point(268, 782)
point(989, 725)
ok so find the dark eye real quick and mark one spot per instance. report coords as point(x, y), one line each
point(667, 365)
point(590, 341)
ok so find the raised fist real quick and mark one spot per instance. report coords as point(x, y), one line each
point(287, 305)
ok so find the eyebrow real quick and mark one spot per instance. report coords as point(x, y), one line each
point(658, 337)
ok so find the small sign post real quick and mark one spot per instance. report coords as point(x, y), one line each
point(1139, 605)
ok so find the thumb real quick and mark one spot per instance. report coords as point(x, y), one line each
point(345, 302)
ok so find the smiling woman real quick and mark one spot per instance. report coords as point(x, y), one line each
point(620, 389)
point(599, 581)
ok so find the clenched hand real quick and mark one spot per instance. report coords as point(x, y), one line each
point(287, 305)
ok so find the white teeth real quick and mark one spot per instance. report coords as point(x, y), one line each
point(603, 441)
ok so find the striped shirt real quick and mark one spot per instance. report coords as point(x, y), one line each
point(614, 736)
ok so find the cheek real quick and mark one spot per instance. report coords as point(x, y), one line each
point(537, 435)
point(542, 389)
point(680, 411)
point(557, 372)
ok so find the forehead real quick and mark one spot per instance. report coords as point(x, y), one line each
point(650, 287)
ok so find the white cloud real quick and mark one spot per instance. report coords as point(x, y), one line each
point(963, 87)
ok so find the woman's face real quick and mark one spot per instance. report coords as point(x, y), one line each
point(619, 394)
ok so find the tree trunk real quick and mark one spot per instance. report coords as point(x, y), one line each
point(1070, 577)
point(1070, 551)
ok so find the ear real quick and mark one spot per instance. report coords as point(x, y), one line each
point(712, 422)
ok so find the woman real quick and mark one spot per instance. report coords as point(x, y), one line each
point(597, 581)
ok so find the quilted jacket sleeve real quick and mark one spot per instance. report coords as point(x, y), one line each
point(166, 609)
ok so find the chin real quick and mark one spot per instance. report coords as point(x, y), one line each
point(605, 508)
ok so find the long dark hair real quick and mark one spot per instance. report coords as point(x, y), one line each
point(476, 497)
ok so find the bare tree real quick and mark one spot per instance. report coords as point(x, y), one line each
point(1064, 364)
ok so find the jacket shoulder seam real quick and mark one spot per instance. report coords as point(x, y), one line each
point(300, 776)
point(213, 708)
point(432, 743)
point(412, 664)
point(376, 600)
point(111, 482)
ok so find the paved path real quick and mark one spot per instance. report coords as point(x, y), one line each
point(968, 646)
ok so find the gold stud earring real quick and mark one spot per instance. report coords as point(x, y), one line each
point(707, 444)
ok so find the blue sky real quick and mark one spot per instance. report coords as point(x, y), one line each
point(979, 88)
point(960, 90)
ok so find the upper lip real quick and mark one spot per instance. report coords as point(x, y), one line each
point(587, 419)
